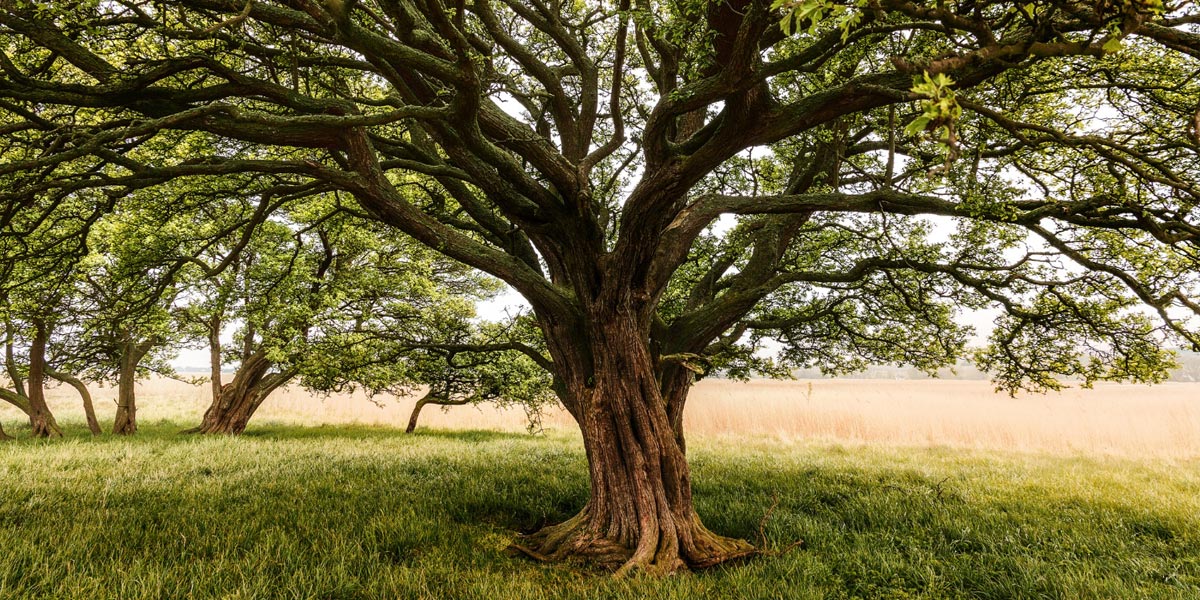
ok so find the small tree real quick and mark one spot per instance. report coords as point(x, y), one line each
point(129, 281)
point(310, 291)
point(494, 363)
point(28, 391)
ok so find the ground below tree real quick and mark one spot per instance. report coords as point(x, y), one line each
point(355, 512)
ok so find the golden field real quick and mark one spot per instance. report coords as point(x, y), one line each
point(1122, 420)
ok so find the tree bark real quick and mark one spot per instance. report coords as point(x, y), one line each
point(639, 514)
point(125, 422)
point(17, 400)
point(41, 421)
point(676, 382)
point(89, 410)
point(214, 357)
point(239, 399)
point(429, 398)
point(10, 362)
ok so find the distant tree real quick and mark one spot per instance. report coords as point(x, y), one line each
point(128, 311)
point(309, 292)
point(40, 248)
point(28, 380)
point(128, 286)
point(495, 363)
point(1189, 367)
point(672, 184)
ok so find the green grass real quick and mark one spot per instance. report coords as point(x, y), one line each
point(353, 512)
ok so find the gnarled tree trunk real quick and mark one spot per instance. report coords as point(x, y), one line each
point(239, 399)
point(89, 411)
point(40, 418)
point(639, 514)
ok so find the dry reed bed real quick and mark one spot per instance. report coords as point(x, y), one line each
point(1123, 420)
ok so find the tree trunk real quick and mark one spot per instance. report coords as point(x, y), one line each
point(41, 421)
point(10, 362)
point(132, 353)
point(125, 422)
point(676, 383)
point(429, 398)
point(4, 437)
point(214, 357)
point(232, 410)
point(239, 399)
point(88, 410)
point(639, 514)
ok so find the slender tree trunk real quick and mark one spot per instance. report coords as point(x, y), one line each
point(639, 514)
point(132, 353)
point(125, 422)
point(429, 398)
point(10, 361)
point(239, 399)
point(89, 410)
point(16, 396)
point(214, 357)
point(4, 437)
point(40, 418)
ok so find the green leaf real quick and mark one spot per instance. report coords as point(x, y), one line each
point(917, 126)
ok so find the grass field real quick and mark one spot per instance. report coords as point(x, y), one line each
point(897, 489)
point(360, 512)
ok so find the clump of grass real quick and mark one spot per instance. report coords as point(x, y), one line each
point(361, 512)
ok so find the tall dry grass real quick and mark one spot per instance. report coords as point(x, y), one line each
point(1122, 420)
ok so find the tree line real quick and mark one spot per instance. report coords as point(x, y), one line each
point(312, 293)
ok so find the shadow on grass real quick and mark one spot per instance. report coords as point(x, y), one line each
point(358, 432)
point(447, 501)
point(166, 430)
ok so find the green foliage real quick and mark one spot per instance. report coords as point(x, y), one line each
point(807, 15)
point(1091, 340)
point(339, 302)
point(939, 110)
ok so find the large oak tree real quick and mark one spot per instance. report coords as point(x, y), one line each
point(672, 184)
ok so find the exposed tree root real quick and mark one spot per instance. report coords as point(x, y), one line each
point(574, 541)
point(667, 552)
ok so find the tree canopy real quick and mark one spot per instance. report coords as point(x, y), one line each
point(674, 185)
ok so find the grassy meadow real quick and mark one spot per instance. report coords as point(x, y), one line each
point(896, 492)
